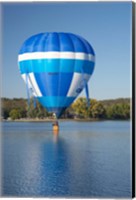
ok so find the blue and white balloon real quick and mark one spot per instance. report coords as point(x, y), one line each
point(56, 67)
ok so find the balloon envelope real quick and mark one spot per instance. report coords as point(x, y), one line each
point(57, 65)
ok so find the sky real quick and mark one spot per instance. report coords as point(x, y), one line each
point(105, 25)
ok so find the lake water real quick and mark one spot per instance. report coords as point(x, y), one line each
point(86, 159)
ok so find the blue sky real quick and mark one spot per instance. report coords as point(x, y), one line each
point(107, 27)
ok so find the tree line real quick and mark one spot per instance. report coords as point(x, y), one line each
point(106, 109)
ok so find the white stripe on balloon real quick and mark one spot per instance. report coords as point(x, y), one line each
point(29, 83)
point(77, 83)
point(35, 85)
point(56, 55)
point(32, 84)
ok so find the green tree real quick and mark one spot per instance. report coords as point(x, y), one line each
point(109, 112)
point(97, 110)
point(15, 114)
point(118, 111)
point(5, 113)
point(10, 104)
point(80, 107)
point(126, 110)
point(23, 112)
point(31, 111)
point(36, 112)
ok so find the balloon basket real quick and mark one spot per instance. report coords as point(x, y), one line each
point(55, 127)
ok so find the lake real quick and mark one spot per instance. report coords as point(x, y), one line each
point(86, 159)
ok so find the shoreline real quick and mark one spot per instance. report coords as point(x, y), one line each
point(52, 120)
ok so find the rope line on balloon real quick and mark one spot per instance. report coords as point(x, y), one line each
point(28, 89)
point(86, 88)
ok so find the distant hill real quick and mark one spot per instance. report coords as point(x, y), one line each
point(109, 102)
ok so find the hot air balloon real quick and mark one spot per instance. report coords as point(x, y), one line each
point(56, 67)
